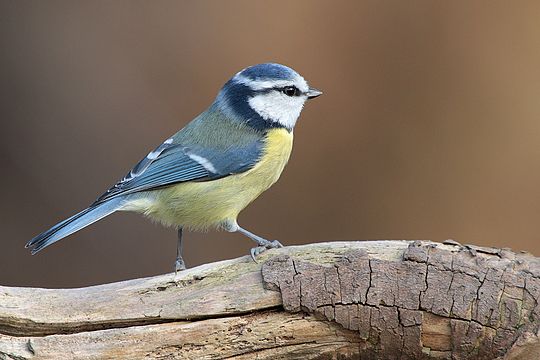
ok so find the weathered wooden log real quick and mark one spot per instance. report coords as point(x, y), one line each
point(340, 300)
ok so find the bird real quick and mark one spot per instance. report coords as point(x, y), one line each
point(204, 175)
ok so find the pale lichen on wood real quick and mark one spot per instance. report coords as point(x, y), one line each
point(341, 300)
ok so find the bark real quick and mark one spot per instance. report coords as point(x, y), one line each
point(340, 300)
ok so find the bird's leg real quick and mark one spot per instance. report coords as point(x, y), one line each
point(179, 263)
point(263, 243)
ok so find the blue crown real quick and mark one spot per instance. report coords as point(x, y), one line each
point(269, 71)
point(235, 94)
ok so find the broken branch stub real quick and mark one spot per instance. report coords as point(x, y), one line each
point(433, 301)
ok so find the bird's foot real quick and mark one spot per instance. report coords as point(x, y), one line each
point(179, 265)
point(263, 246)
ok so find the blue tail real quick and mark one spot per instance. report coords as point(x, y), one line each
point(75, 223)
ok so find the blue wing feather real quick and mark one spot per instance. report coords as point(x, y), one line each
point(173, 163)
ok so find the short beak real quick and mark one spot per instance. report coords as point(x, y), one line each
point(313, 93)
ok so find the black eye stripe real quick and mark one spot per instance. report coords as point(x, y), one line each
point(293, 90)
point(290, 90)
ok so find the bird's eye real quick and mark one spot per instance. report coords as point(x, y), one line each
point(291, 91)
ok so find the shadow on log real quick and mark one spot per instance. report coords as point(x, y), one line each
point(340, 300)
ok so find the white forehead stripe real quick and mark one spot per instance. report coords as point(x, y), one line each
point(297, 81)
point(204, 162)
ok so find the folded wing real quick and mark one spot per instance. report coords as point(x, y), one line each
point(172, 163)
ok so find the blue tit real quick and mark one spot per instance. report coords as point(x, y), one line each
point(205, 174)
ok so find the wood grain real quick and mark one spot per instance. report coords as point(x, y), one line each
point(346, 300)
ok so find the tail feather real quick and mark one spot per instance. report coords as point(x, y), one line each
point(75, 223)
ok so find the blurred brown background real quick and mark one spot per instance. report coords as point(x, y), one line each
point(429, 127)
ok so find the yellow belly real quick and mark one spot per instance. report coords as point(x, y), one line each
point(200, 205)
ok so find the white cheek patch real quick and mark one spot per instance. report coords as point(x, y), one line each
point(278, 107)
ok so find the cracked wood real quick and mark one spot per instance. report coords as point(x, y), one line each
point(377, 300)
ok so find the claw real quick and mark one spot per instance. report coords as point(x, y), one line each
point(257, 251)
point(260, 249)
point(179, 265)
point(275, 244)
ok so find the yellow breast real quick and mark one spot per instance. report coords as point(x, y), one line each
point(200, 205)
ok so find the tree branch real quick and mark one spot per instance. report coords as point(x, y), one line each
point(374, 300)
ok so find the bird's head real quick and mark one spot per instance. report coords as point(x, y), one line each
point(265, 96)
